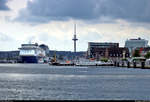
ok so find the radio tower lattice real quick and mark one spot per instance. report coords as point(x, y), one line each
point(75, 38)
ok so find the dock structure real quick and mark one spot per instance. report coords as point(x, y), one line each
point(127, 64)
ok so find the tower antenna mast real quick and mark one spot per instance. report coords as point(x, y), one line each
point(75, 38)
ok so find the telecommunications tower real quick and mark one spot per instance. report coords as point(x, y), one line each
point(75, 38)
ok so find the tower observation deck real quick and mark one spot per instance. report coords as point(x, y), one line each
point(75, 38)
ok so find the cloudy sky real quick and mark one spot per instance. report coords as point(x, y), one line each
point(52, 22)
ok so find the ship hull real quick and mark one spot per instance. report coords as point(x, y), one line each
point(29, 59)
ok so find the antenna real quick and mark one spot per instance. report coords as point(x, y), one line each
point(75, 29)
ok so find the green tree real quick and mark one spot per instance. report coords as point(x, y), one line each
point(124, 59)
point(104, 60)
point(147, 56)
point(136, 53)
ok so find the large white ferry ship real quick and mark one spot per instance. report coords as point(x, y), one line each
point(31, 53)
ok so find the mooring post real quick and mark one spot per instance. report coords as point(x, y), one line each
point(117, 64)
point(134, 64)
point(143, 64)
point(128, 64)
point(122, 63)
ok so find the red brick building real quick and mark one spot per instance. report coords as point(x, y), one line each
point(111, 53)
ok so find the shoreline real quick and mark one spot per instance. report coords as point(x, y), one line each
point(106, 65)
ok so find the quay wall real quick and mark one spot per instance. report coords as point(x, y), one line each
point(126, 64)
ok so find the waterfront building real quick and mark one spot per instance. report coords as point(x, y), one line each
point(132, 44)
point(143, 50)
point(92, 45)
point(9, 56)
point(47, 55)
point(67, 55)
point(110, 53)
point(45, 48)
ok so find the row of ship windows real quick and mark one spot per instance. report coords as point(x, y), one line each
point(27, 52)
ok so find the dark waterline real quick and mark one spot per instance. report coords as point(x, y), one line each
point(44, 82)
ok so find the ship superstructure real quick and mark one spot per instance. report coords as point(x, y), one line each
point(31, 53)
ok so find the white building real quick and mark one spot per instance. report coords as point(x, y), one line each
point(135, 43)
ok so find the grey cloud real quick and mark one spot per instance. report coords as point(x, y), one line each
point(3, 5)
point(41, 11)
point(91, 36)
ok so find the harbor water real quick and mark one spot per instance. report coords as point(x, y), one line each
point(44, 82)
